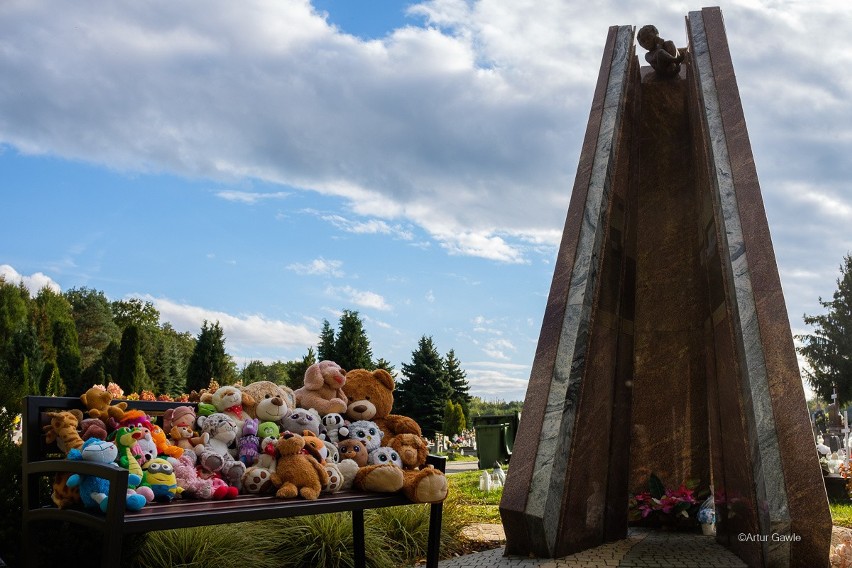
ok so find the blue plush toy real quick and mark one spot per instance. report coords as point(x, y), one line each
point(95, 490)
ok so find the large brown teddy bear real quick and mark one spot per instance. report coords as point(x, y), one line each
point(371, 398)
point(422, 483)
point(297, 473)
point(323, 390)
point(97, 402)
point(267, 401)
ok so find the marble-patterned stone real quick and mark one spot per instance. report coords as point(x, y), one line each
point(665, 345)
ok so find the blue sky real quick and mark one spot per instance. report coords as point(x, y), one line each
point(269, 164)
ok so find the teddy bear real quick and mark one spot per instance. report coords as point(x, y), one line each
point(353, 449)
point(267, 401)
point(258, 479)
point(370, 396)
point(93, 428)
point(422, 483)
point(268, 433)
point(229, 400)
point(323, 388)
point(336, 426)
point(302, 419)
point(297, 473)
point(194, 486)
point(179, 422)
point(97, 401)
point(215, 456)
point(248, 443)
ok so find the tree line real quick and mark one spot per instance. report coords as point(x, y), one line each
point(58, 344)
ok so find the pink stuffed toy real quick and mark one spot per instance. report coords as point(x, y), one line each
point(323, 390)
point(195, 486)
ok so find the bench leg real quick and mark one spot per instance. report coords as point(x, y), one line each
point(30, 551)
point(111, 550)
point(436, 513)
point(358, 538)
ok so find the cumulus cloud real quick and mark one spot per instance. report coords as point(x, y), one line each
point(242, 332)
point(499, 348)
point(319, 267)
point(368, 227)
point(33, 283)
point(362, 298)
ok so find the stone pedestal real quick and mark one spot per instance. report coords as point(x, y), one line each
point(665, 345)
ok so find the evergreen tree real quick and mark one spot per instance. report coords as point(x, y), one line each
point(55, 386)
point(325, 348)
point(132, 376)
point(14, 308)
point(829, 349)
point(352, 347)
point(457, 379)
point(135, 311)
point(383, 363)
point(454, 421)
point(93, 320)
point(68, 355)
point(295, 370)
point(424, 391)
point(209, 359)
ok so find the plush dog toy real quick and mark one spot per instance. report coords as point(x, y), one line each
point(297, 473)
point(323, 388)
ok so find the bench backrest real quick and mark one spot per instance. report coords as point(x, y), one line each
point(35, 447)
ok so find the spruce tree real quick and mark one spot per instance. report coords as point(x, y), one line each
point(457, 379)
point(132, 376)
point(828, 350)
point(209, 359)
point(325, 348)
point(424, 391)
point(352, 347)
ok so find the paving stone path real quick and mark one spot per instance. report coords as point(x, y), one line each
point(641, 549)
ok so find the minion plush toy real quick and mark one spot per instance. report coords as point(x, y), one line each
point(159, 475)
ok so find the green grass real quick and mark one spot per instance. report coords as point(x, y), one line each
point(841, 514)
point(394, 536)
point(477, 505)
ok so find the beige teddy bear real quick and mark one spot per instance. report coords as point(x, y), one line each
point(323, 390)
point(297, 473)
point(267, 401)
point(229, 400)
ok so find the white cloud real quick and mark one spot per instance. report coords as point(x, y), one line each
point(362, 298)
point(242, 332)
point(250, 197)
point(319, 267)
point(368, 227)
point(490, 380)
point(430, 296)
point(33, 283)
point(498, 348)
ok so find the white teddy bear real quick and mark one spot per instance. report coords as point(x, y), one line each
point(215, 455)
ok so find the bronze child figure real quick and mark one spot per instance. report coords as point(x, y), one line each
point(662, 54)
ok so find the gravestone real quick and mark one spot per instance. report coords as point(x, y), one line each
point(665, 345)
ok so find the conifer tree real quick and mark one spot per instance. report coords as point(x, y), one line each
point(68, 355)
point(132, 376)
point(352, 347)
point(209, 359)
point(424, 391)
point(457, 379)
point(93, 321)
point(325, 348)
point(828, 350)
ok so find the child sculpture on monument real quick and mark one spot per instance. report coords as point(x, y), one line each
point(662, 54)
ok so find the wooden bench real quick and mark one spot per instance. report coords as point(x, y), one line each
point(43, 460)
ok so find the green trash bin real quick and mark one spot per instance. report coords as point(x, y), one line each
point(512, 420)
point(491, 444)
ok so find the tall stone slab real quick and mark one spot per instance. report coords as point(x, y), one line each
point(665, 345)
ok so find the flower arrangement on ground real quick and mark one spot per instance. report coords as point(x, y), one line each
point(666, 507)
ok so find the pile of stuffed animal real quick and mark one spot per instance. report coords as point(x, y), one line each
point(334, 433)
